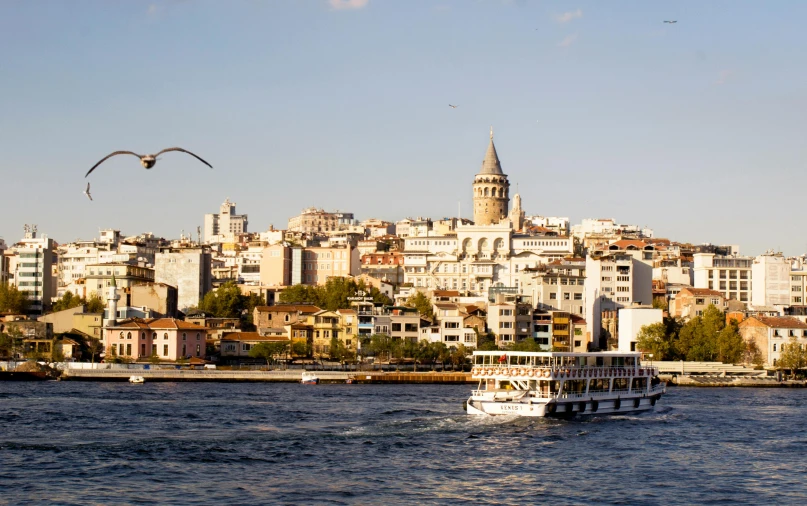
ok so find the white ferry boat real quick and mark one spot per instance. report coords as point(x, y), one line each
point(562, 384)
point(136, 379)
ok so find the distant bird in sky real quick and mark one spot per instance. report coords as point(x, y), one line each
point(146, 161)
point(453, 106)
point(87, 191)
point(671, 22)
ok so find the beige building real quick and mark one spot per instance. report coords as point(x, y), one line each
point(159, 297)
point(313, 220)
point(692, 302)
point(770, 333)
point(559, 285)
point(274, 317)
point(98, 277)
point(510, 318)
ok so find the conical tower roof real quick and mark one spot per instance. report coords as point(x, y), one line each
point(491, 164)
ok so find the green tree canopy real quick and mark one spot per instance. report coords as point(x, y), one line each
point(227, 301)
point(67, 301)
point(13, 300)
point(654, 339)
point(268, 350)
point(528, 344)
point(792, 357)
point(333, 295)
point(422, 303)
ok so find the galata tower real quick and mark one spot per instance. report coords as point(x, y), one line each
point(491, 189)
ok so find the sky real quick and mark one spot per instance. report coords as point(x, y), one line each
point(600, 110)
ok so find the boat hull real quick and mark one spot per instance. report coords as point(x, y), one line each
point(561, 408)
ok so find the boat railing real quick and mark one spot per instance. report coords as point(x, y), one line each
point(566, 372)
point(658, 389)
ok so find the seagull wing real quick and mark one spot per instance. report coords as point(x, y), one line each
point(184, 151)
point(110, 156)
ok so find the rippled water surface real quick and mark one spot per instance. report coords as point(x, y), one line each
point(226, 443)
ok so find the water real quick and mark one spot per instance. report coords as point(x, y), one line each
point(229, 443)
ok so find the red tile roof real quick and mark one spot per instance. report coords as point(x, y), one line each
point(251, 336)
point(781, 322)
point(703, 292)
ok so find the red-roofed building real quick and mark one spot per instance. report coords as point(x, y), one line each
point(770, 333)
point(165, 338)
point(691, 302)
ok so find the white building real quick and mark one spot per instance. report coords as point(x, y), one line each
point(224, 226)
point(449, 327)
point(188, 269)
point(3, 266)
point(618, 276)
point(33, 269)
point(556, 223)
point(631, 321)
point(770, 276)
point(730, 276)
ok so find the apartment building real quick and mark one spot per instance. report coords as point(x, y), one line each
point(729, 275)
point(558, 285)
point(771, 283)
point(32, 269)
point(510, 318)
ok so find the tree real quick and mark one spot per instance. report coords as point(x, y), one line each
point(730, 344)
point(654, 339)
point(268, 350)
point(792, 357)
point(300, 294)
point(300, 348)
point(95, 304)
point(227, 301)
point(13, 300)
point(56, 354)
point(340, 352)
point(67, 301)
point(458, 357)
point(660, 303)
point(528, 344)
point(698, 338)
point(422, 303)
point(753, 355)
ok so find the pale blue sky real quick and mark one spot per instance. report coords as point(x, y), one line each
point(694, 129)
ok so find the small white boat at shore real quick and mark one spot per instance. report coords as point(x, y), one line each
point(562, 384)
point(309, 378)
point(137, 379)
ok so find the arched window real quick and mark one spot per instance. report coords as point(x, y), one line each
point(501, 192)
point(128, 335)
point(165, 336)
point(121, 335)
point(142, 336)
point(154, 336)
point(286, 318)
point(184, 336)
point(486, 192)
point(198, 336)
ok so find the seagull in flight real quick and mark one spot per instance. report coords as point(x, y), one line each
point(671, 22)
point(453, 106)
point(146, 161)
point(87, 191)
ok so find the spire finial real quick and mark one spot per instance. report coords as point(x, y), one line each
point(491, 132)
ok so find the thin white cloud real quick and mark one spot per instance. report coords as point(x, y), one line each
point(568, 16)
point(341, 5)
point(568, 40)
point(724, 76)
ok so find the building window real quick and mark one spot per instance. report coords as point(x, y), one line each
point(184, 337)
point(129, 349)
point(165, 336)
point(198, 336)
point(128, 335)
point(566, 296)
point(142, 336)
point(198, 349)
point(120, 346)
point(774, 346)
point(154, 336)
point(578, 296)
point(184, 350)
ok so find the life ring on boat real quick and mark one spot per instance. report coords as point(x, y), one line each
point(546, 373)
point(513, 372)
point(523, 372)
point(531, 373)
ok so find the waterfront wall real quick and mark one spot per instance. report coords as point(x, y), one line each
point(270, 376)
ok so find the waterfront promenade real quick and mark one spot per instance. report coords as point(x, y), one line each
point(278, 376)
